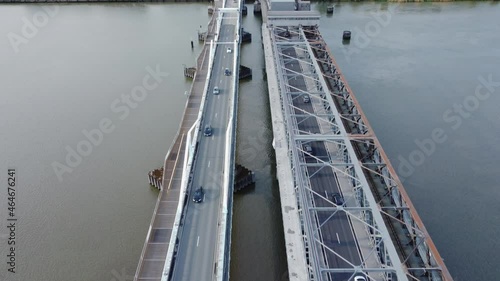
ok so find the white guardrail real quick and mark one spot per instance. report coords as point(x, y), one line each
point(192, 139)
point(188, 157)
point(141, 259)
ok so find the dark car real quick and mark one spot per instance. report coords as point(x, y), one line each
point(208, 131)
point(198, 195)
point(227, 72)
point(308, 148)
point(346, 35)
point(337, 199)
point(306, 99)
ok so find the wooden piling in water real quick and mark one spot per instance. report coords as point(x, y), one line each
point(155, 178)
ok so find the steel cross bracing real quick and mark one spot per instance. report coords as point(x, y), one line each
point(345, 159)
point(414, 245)
point(322, 251)
point(353, 116)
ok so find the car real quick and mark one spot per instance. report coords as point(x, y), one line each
point(306, 99)
point(359, 278)
point(308, 148)
point(337, 199)
point(227, 72)
point(208, 131)
point(229, 50)
point(346, 35)
point(216, 90)
point(198, 195)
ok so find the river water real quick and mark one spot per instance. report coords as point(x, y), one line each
point(408, 65)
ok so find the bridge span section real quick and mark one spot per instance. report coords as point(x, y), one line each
point(188, 239)
point(346, 214)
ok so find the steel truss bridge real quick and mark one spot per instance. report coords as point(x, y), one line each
point(327, 150)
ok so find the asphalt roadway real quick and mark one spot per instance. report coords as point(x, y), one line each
point(196, 256)
point(336, 231)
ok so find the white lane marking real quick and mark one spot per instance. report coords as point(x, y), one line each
point(198, 241)
point(215, 114)
point(218, 97)
point(221, 80)
point(224, 56)
point(338, 239)
point(213, 136)
point(326, 194)
point(209, 163)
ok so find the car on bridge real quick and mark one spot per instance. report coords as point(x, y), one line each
point(208, 131)
point(198, 195)
point(306, 99)
point(227, 72)
point(216, 90)
point(308, 148)
point(338, 199)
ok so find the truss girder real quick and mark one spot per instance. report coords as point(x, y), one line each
point(390, 248)
point(343, 137)
point(354, 169)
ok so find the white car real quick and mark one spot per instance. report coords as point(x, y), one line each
point(229, 50)
point(359, 278)
point(216, 90)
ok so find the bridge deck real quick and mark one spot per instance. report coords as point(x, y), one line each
point(153, 255)
point(326, 150)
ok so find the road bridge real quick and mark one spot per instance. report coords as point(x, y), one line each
point(189, 240)
point(345, 212)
